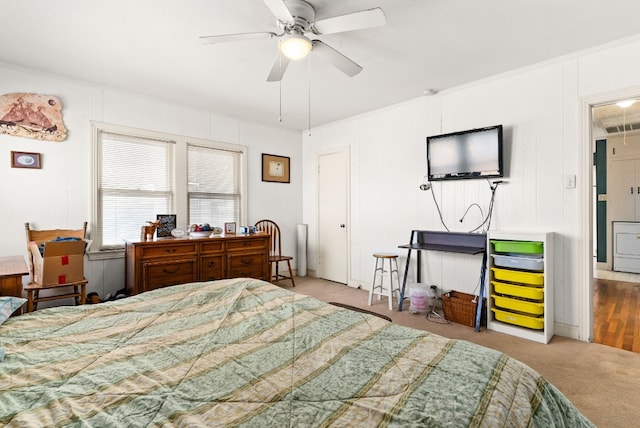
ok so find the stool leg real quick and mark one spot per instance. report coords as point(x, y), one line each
point(373, 284)
point(397, 280)
point(390, 295)
point(381, 269)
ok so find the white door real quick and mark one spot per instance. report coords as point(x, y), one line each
point(333, 197)
point(622, 190)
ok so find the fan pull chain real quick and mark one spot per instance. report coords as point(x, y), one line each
point(280, 92)
point(624, 126)
point(309, 94)
point(280, 101)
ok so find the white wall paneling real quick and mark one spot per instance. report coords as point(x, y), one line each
point(58, 195)
point(539, 107)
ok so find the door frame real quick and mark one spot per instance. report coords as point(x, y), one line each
point(585, 263)
point(347, 150)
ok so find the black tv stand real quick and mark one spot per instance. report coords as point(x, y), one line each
point(452, 242)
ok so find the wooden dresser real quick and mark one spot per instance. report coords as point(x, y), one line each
point(170, 261)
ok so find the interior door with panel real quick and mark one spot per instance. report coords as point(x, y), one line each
point(333, 196)
point(622, 190)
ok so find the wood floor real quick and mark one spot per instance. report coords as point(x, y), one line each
point(617, 314)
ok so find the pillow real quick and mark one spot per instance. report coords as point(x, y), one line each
point(8, 305)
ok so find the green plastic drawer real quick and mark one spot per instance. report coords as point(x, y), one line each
point(530, 278)
point(521, 247)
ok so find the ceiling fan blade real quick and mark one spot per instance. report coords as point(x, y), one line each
point(279, 10)
point(338, 60)
point(278, 69)
point(351, 21)
point(205, 40)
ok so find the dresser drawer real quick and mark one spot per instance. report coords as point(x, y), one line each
point(211, 268)
point(211, 247)
point(246, 272)
point(169, 250)
point(246, 265)
point(246, 244)
point(161, 274)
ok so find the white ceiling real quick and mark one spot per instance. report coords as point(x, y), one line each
point(151, 47)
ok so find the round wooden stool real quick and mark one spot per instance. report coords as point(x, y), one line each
point(380, 272)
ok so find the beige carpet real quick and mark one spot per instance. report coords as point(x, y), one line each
point(603, 382)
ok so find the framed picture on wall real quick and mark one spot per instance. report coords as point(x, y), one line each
point(25, 160)
point(166, 225)
point(275, 168)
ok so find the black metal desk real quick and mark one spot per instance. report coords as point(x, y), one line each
point(452, 242)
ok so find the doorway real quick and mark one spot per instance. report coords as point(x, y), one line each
point(333, 212)
point(611, 291)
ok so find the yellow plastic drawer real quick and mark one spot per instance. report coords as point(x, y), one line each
point(530, 278)
point(524, 306)
point(535, 323)
point(533, 293)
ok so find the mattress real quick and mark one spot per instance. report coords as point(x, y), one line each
point(244, 352)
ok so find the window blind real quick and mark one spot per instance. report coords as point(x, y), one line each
point(213, 185)
point(135, 183)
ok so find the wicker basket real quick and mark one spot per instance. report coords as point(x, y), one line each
point(461, 308)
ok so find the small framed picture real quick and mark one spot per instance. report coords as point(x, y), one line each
point(166, 225)
point(275, 168)
point(25, 160)
point(230, 227)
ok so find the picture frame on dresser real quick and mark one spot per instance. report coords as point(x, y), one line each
point(230, 227)
point(167, 223)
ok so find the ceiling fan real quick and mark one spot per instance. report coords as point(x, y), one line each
point(296, 19)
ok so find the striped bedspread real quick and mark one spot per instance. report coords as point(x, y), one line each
point(244, 352)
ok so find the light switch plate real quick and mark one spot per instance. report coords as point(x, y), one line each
point(570, 181)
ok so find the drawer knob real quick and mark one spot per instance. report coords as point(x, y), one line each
point(171, 250)
point(165, 270)
point(211, 264)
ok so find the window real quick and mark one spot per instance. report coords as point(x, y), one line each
point(140, 174)
point(135, 182)
point(214, 185)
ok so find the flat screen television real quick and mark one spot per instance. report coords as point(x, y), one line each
point(476, 153)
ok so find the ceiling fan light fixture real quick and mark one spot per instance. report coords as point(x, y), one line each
point(295, 46)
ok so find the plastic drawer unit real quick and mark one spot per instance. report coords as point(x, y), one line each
point(520, 296)
point(518, 305)
point(518, 247)
point(519, 262)
point(529, 278)
point(522, 320)
point(517, 290)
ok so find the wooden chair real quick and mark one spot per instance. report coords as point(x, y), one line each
point(76, 290)
point(275, 251)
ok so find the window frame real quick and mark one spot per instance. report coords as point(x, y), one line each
point(180, 177)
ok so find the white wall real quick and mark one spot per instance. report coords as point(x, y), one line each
point(59, 194)
point(539, 108)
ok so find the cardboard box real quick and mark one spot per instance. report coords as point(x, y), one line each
point(62, 262)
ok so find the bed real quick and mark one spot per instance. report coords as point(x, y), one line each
point(244, 352)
